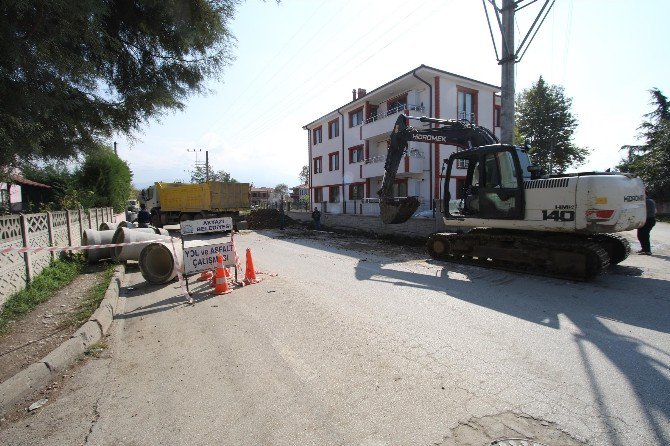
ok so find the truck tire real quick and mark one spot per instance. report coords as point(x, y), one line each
point(199, 216)
point(184, 217)
point(155, 221)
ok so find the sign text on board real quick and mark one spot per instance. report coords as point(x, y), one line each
point(202, 258)
point(222, 224)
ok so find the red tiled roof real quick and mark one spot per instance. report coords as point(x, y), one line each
point(18, 179)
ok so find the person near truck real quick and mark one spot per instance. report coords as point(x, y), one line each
point(644, 232)
point(143, 217)
point(316, 216)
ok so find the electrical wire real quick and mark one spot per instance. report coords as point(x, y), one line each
point(332, 79)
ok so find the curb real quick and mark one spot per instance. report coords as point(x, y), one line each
point(36, 376)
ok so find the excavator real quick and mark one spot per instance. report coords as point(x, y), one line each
point(508, 214)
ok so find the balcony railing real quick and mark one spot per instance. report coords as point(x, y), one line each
point(413, 153)
point(393, 111)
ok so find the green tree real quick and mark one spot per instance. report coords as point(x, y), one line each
point(303, 176)
point(545, 120)
point(651, 160)
point(282, 190)
point(108, 176)
point(72, 73)
point(199, 175)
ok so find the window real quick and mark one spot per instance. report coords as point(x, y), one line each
point(397, 104)
point(496, 116)
point(372, 113)
point(333, 129)
point(467, 104)
point(400, 189)
point(318, 195)
point(461, 163)
point(334, 194)
point(4, 200)
point(316, 135)
point(355, 154)
point(333, 161)
point(356, 192)
point(318, 167)
point(356, 117)
point(460, 188)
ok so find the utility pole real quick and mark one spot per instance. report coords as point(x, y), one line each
point(199, 164)
point(511, 55)
point(507, 78)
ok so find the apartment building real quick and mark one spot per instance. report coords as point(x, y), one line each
point(347, 147)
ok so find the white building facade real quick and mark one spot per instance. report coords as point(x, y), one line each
point(347, 147)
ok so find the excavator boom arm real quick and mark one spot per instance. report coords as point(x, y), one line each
point(452, 132)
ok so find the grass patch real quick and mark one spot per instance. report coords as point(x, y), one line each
point(92, 300)
point(54, 277)
point(96, 349)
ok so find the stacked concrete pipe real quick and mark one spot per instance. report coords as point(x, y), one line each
point(126, 224)
point(132, 252)
point(108, 226)
point(93, 237)
point(158, 262)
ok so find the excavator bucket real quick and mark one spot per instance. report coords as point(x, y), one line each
point(397, 210)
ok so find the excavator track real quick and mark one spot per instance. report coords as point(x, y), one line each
point(572, 257)
point(617, 247)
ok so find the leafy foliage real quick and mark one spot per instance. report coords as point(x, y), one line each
point(303, 176)
point(108, 176)
point(651, 161)
point(74, 73)
point(282, 190)
point(545, 120)
point(199, 175)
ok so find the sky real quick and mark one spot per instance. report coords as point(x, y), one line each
point(298, 60)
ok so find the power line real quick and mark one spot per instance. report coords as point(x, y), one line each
point(334, 76)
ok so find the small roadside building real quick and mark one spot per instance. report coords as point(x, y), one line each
point(18, 194)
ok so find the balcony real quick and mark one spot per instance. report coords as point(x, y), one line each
point(409, 164)
point(382, 123)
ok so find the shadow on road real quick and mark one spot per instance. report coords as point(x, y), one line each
point(622, 295)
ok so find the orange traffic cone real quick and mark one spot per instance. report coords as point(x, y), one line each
point(220, 279)
point(226, 274)
point(205, 276)
point(250, 274)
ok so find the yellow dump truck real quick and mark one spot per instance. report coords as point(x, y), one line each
point(171, 203)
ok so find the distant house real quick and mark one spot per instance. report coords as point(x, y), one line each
point(299, 192)
point(261, 196)
point(19, 193)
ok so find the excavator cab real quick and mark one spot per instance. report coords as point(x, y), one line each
point(490, 181)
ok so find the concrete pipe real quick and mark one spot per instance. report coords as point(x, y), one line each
point(151, 230)
point(132, 252)
point(93, 237)
point(158, 263)
point(108, 226)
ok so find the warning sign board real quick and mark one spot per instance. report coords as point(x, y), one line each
point(203, 258)
point(194, 227)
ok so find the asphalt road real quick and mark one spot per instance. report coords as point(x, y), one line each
point(360, 342)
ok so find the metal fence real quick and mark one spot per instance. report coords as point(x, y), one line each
point(63, 228)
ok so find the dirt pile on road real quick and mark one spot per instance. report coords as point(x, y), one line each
point(267, 219)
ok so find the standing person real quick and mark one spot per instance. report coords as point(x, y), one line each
point(281, 215)
point(316, 216)
point(644, 231)
point(143, 217)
